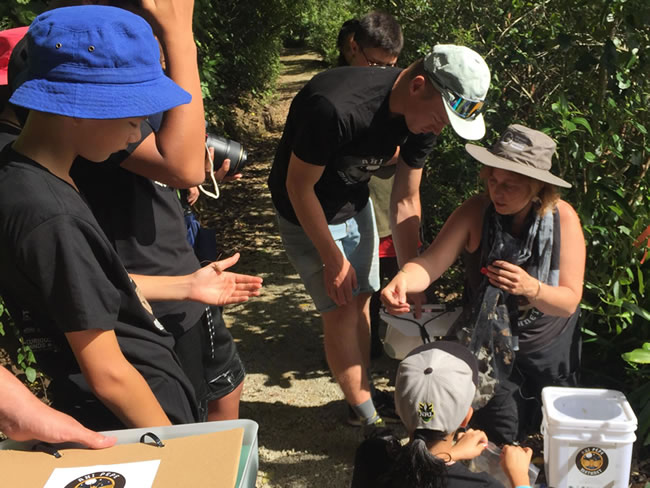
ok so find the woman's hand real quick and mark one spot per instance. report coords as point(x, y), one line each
point(393, 296)
point(469, 445)
point(511, 278)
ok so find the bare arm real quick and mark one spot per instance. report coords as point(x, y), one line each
point(405, 211)
point(340, 277)
point(24, 417)
point(210, 284)
point(114, 380)
point(416, 275)
point(175, 155)
point(561, 300)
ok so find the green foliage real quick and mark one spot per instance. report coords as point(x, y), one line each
point(577, 70)
point(239, 43)
point(17, 13)
point(13, 342)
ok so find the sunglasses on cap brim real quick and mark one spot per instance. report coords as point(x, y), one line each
point(463, 107)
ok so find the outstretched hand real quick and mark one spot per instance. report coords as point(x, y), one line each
point(213, 285)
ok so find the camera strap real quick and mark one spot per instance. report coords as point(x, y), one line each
point(214, 180)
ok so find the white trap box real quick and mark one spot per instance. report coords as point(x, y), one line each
point(248, 459)
point(588, 437)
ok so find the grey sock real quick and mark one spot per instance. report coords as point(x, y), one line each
point(366, 412)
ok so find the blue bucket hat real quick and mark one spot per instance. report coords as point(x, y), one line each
point(95, 62)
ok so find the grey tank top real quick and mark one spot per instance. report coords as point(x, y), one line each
point(535, 329)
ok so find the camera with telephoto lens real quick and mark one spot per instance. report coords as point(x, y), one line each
point(227, 149)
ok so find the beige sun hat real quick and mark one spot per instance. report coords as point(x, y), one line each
point(522, 150)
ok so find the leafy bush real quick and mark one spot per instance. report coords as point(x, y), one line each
point(577, 70)
point(239, 46)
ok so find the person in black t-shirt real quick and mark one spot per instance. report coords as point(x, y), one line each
point(22, 415)
point(67, 284)
point(434, 390)
point(345, 124)
point(376, 40)
point(143, 220)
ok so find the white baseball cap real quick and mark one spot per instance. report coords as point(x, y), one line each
point(435, 386)
point(462, 77)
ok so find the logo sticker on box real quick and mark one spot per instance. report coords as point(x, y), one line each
point(592, 461)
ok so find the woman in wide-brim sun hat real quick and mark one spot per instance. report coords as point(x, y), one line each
point(523, 250)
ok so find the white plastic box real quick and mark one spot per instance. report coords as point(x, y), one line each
point(248, 461)
point(403, 331)
point(588, 437)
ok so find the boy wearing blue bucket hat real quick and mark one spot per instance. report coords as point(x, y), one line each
point(94, 75)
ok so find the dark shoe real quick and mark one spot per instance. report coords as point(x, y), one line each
point(377, 429)
point(384, 405)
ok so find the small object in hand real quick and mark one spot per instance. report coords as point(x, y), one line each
point(484, 270)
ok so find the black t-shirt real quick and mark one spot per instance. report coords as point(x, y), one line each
point(375, 457)
point(341, 120)
point(60, 274)
point(144, 222)
point(8, 133)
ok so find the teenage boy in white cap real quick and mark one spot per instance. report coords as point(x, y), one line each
point(94, 75)
point(434, 390)
point(342, 126)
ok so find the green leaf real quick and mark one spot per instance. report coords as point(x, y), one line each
point(591, 157)
point(640, 280)
point(31, 374)
point(640, 355)
point(568, 125)
point(641, 312)
point(583, 122)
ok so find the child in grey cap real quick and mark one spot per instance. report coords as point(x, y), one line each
point(434, 391)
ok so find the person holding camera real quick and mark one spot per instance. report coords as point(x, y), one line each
point(134, 198)
point(345, 124)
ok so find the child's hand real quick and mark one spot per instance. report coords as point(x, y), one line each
point(469, 445)
point(213, 285)
point(514, 462)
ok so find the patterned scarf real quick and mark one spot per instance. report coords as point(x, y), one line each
point(488, 328)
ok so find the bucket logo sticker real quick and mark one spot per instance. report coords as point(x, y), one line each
point(104, 479)
point(592, 461)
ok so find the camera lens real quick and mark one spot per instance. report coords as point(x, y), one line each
point(227, 149)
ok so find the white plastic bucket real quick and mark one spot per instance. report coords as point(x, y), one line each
point(588, 437)
point(403, 332)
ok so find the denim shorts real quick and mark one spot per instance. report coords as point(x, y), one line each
point(358, 241)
